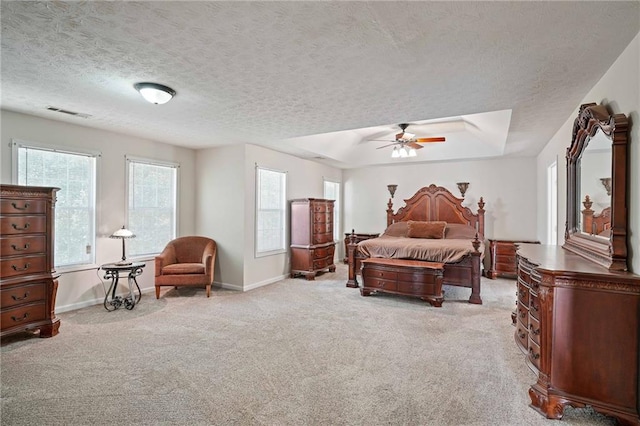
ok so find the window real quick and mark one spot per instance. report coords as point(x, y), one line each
point(552, 204)
point(271, 203)
point(151, 205)
point(74, 172)
point(332, 192)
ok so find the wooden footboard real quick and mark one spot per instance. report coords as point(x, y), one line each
point(465, 273)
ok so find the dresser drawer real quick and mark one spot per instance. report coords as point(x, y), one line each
point(534, 353)
point(417, 288)
point(418, 277)
point(381, 283)
point(322, 218)
point(18, 245)
point(523, 294)
point(380, 273)
point(507, 259)
point(23, 266)
point(534, 306)
point(322, 252)
point(12, 225)
point(505, 249)
point(22, 294)
point(522, 336)
point(321, 263)
point(534, 330)
point(319, 207)
point(9, 206)
point(327, 237)
point(323, 227)
point(23, 314)
point(523, 315)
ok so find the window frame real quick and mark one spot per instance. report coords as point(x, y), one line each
point(337, 207)
point(16, 144)
point(283, 249)
point(151, 162)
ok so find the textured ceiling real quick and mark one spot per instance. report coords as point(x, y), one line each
point(269, 73)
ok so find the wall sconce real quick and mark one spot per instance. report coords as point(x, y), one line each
point(155, 93)
point(606, 182)
point(392, 189)
point(463, 186)
point(123, 234)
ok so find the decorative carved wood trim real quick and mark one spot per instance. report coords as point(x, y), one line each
point(611, 253)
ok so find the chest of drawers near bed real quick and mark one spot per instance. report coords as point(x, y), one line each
point(28, 283)
point(312, 244)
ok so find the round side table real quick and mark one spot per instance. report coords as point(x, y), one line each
point(112, 272)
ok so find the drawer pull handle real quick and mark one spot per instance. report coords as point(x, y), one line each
point(15, 206)
point(26, 266)
point(16, 248)
point(523, 314)
point(535, 307)
point(535, 332)
point(24, 228)
point(522, 335)
point(24, 317)
point(533, 354)
point(14, 297)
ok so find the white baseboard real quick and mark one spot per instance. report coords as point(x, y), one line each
point(265, 282)
point(91, 302)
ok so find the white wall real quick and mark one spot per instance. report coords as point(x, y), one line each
point(220, 208)
point(304, 180)
point(507, 186)
point(82, 288)
point(619, 89)
point(226, 203)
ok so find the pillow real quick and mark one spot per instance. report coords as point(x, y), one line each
point(459, 231)
point(434, 230)
point(398, 229)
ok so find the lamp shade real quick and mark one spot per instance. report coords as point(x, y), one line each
point(122, 233)
point(155, 93)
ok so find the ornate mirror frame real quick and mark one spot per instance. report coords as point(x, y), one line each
point(611, 253)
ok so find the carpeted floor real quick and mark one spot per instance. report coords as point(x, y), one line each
point(295, 352)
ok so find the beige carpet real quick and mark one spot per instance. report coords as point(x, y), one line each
point(295, 352)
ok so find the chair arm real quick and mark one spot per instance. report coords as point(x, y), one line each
point(209, 260)
point(167, 257)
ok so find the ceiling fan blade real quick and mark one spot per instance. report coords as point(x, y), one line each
point(425, 140)
point(414, 145)
point(391, 144)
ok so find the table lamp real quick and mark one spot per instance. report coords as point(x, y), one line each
point(123, 234)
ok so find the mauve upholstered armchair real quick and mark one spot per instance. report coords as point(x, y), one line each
point(186, 261)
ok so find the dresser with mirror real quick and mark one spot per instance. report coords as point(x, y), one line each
point(577, 316)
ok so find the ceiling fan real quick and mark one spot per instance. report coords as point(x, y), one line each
point(408, 141)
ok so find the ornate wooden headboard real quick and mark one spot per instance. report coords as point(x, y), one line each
point(437, 203)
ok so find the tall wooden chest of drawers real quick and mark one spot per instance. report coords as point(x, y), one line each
point(577, 324)
point(312, 244)
point(28, 283)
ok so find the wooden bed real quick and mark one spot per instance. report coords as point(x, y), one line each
point(436, 203)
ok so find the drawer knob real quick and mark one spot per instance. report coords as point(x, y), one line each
point(15, 206)
point(16, 248)
point(23, 228)
point(14, 297)
point(523, 314)
point(533, 354)
point(24, 317)
point(535, 332)
point(522, 335)
point(26, 266)
point(535, 307)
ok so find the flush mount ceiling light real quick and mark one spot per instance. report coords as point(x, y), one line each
point(155, 93)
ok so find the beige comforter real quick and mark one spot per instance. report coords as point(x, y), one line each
point(432, 250)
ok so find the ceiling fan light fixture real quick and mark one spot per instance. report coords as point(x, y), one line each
point(155, 93)
point(412, 152)
point(395, 153)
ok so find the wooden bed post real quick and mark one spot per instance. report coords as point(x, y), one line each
point(481, 217)
point(475, 271)
point(351, 256)
point(389, 212)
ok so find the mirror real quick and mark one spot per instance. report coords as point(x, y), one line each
point(595, 187)
point(596, 226)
